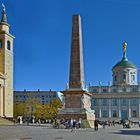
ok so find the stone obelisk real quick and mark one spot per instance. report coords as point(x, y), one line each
point(77, 98)
point(76, 79)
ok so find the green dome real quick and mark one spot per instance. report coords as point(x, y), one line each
point(125, 63)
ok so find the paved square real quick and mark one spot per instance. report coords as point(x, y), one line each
point(44, 133)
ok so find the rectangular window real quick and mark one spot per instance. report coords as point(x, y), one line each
point(124, 76)
point(96, 113)
point(105, 114)
point(134, 101)
point(114, 102)
point(124, 89)
point(114, 113)
point(134, 113)
point(94, 102)
point(114, 90)
point(115, 78)
point(104, 102)
point(134, 90)
point(95, 90)
point(124, 102)
point(104, 90)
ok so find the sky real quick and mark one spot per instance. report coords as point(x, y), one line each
point(42, 30)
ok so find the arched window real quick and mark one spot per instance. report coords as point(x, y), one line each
point(8, 45)
point(0, 43)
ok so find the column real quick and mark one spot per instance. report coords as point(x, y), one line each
point(109, 108)
point(139, 107)
point(99, 108)
point(119, 108)
point(129, 109)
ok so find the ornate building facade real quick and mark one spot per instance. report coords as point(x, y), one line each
point(121, 100)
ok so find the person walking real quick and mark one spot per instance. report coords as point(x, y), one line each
point(96, 125)
point(80, 122)
point(74, 126)
point(139, 123)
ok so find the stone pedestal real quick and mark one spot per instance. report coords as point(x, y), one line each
point(77, 105)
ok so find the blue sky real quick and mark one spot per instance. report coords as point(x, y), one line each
point(43, 39)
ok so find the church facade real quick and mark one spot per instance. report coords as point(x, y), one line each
point(121, 100)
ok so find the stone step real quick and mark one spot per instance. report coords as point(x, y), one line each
point(4, 121)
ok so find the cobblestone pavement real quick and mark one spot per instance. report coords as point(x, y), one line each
point(44, 133)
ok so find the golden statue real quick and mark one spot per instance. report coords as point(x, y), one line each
point(124, 46)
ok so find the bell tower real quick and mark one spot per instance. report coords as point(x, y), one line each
point(6, 64)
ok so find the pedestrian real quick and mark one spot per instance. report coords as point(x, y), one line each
point(39, 122)
point(96, 125)
point(80, 122)
point(74, 126)
point(71, 123)
point(103, 124)
point(139, 123)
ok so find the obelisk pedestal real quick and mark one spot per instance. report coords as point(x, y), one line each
point(77, 98)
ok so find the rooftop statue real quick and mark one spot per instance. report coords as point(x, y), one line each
point(3, 8)
point(124, 46)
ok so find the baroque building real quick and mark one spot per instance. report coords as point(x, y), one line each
point(6, 67)
point(121, 100)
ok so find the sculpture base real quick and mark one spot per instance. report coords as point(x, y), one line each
point(87, 116)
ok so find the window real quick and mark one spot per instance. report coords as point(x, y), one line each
point(114, 90)
point(105, 90)
point(134, 89)
point(114, 113)
point(134, 101)
point(95, 90)
point(105, 113)
point(8, 45)
point(0, 43)
point(94, 102)
point(104, 102)
point(133, 77)
point(96, 113)
point(114, 102)
point(124, 102)
point(115, 78)
point(124, 114)
point(124, 89)
point(134, 113)
point(124, 76)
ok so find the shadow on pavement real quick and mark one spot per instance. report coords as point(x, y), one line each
point(128, 132)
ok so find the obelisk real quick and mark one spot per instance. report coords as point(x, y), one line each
point(77, 98)
point(76, 79)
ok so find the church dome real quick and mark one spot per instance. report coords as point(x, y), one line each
point(125, 62)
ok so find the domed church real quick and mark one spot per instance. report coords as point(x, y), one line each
point(121, 100)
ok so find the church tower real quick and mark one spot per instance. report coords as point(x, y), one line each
point(6, 64)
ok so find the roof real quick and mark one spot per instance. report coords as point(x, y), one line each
point(125, 63)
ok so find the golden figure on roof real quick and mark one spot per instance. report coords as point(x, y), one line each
point(124, 46)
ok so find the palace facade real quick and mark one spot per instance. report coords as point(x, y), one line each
point(121, 100)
